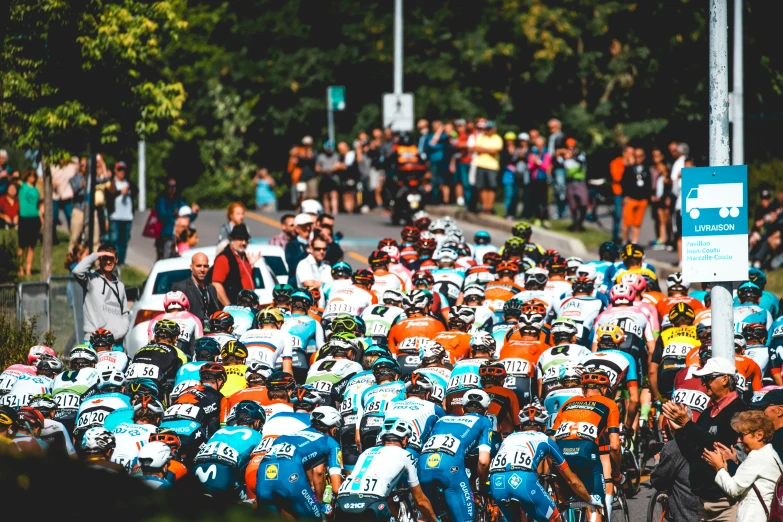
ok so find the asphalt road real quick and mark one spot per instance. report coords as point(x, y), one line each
point(361, 235)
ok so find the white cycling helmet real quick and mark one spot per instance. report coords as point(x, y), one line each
point(564, 326)
point(438, 224)
point(394, 295)
point(327, 416)
point(476, 398)
point(311, 206)
point(419, 383)
point(474, 290)
point(83, 352)
point(445, 254)
point(418, 300)
point(399, 428)
point(154, 455)
point(570, 371)
point(426, 234)
point(534, 413)
point(257, 366)
point(466, 314)
point(111, 378)
point(483, 341)
point(431, 351)
point(98, 439)
point(588, 271)
point(420, 214)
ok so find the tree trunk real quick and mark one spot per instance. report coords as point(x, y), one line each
point(48, 223)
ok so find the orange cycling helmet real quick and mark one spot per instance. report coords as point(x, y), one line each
point(168, 437)
point(507, 266)
point(534, 306)
point(595, 378)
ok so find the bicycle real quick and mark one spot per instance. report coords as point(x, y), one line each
point(629, 466)
point(658, 509)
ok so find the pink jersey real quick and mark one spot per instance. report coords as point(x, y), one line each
point(22, 368)
point(403, 273)
point(190, 328)
point(649, 311)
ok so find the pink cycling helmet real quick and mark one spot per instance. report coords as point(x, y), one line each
point(622, 293)
point(35, 353)
point(635, 281)
point(393, 251)
point(176, 298)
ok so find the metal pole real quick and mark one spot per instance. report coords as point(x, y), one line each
point(142, 176)
point(398, 47)
point(738, 110)
point(722, 301)
point(91, 180)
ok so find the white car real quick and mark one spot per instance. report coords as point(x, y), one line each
point(169, 271)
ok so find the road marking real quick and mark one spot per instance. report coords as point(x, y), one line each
point(274, 223)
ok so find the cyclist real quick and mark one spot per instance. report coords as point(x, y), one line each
point(448, 278)
point(439, 304)
point(154, 459)
point(557, 286)
point(748, 310)
point(54, 433)
point(109, 397)
point(26, 386)
point(376, 398)
point(524, 231)
point(564, 332)
point(482, 244)
point(442, 465)
point(27, 434)
point(292, 474)
point(632, 259)
point(582, 307)
point(379, 261)
point(748, 372)
point(159, 360)
point(82, 356)
point(608, 253)
point(456, 340)
point(102, 341)
point(233, 356)
point(474, 296)
point(169, 437)
point(221, 327)
point(97, 447)
point(177, 306)
point(670, 355)
point(269, 343)
point(514, 470)
point(768, 300)
point(256, 377)
point(756, 336)
point(678, 293)
point(308, 331)
point(202, 403)
point(134, 389)
point(329, 374)
point(220, 463)
point(639, 285)
point(419, 323)
point(69, 387)
point(512, 310)
point(278, 400)
point(535, 288)
point(465, 375)
point(377, 473)
point(48, 366)
point(205, 349)
point(341, 277)
point(130, 437)
point(281, 297)
point(381, 317)
point(504, 409)
point(417, 410)
point(579, 426)
point(352, 299)
point(434, 364)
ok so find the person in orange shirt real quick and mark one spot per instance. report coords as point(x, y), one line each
point(678, 293)
point(456, 340)
point(748, 370)
point(505, 404)
point(418, 323)
point(256, 375)
point(503, 288)
point(617, 169)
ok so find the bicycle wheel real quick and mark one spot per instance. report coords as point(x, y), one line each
point(620, 508)
point(658, 509)
point(630, 467)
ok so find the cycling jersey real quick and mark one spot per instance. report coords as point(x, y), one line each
point(689, 390)
point(678, 331)
point(109, 360)
point(385, 280)
point(190, 328)
point(330, 286)
point(420, 414)
point(68, 389)
point(464, 376)
point(235, 379)
point(768, 301)
point(219, 463)
point(351, 300)
point(456, 343)
point(56, 436)
point(372, 407)
point(499, 332)
point(749, 376)
point(11, 374)
point(497, 293)
point(29, 445)
point(129, 439)
point(25, 388)
point(376, 475)
point(154, 482)
point(587, 418)
point(555, 400)
point(601, 268)
point(93, 411)
point(582, 309)
point(542, 295)
point(651, 313)
point(619, 365)
point(404, 274)
point(760, 353)
point(479, 275)
point(159, 362)
point(637, 331)
point(244, 318)
point(550, 361)
point(221, 337)
point(307, 330)
point(442, 464)
point(480, 250)
point(423, 326)
point(327, 373)
point(187, 376)
point(439, 375)
point(670, 356)
point(379, 320)
point(750, 313)
point(449, 282)
point(503, 409)
point(269, 345)
point(667, 303)
point(199, 404)
point(555, 290)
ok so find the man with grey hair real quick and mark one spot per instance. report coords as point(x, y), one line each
point(556, 147)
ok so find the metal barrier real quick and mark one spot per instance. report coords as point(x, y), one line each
point(9, 306)
point(34, 302)
point(66, 307)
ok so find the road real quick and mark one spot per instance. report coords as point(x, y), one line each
point(362, 233)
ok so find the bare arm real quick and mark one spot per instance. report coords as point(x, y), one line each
point(288, 366)
point(653, 374)
point(633, 404)
point(221, 294)
point(319, 480)
point(483, 467)
point(614, 453)
point(575, 484)
point(423, 504)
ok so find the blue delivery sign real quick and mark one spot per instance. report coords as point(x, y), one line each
point(715, 223)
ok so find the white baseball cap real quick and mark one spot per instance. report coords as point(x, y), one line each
point(303, 219)
point(716, 365)
point(523, 136)
point(184, 211)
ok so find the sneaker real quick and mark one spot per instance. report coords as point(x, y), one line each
point(461, 202)
point(657, 245)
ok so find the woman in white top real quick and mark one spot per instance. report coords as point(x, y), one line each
point(754, 481)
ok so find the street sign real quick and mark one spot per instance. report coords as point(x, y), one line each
point(715, 224)
point(398, 112)
point(335, 96)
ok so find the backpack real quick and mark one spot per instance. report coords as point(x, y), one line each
point(775, 511)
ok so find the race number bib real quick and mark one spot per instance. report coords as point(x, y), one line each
point(339, 307)
point(139, 370)
point(218, 451)
point(264, 445)
point(182, 412)
point(283, 451)
point(694, 399)
point(519, 458)
point(438, 393)
point(91, 418)
point(742, 383)
point(465, 380)
point(583, 430)
point(375, 407)
point(676, 350)
point(517, 367)
point(367, 485)
point(181, 387)
point(442, 444)
point(346, 406)
point(67, 401)
point(379, 328)
point(323, 387)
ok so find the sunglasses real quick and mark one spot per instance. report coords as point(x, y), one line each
point(323, 249)
point(171, 186)
point(706, 379)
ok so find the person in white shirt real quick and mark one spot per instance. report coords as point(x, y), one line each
point(313, 270)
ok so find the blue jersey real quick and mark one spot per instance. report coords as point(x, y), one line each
point(230, 445)
point(117, 417)
point(458, 435)
point(524, 451)
point(465, 376)
point(499, 331)
point(601, 268)
point(309, 448)
point(702, 294)
point(555, 400)
point(775, 335)
point(768, 302)
point(420, 414)
point(187, 376)
point(352, 394)
point(95, 410)
point(377, 398)
point(439, 375)
point(306, 329)
point(244, 318)
point(750, 313)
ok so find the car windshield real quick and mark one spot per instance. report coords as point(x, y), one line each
point(258, 279)
point(164, 280)
point(277, 265)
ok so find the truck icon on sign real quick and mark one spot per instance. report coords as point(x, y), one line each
point(725, 196)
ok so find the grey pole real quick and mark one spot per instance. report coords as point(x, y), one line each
point(398, 47)
point(722, 301)
point(737, 100)
point(330, 116)
point(142, 176)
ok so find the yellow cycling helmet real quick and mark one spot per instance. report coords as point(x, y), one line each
point(235, 348)
point(611, 331)
point(633, 251)
point(270, 315)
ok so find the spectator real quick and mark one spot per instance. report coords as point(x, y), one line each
point(168, 207)
point(556, 146)
point(539, 163)
point(574, 164)
point(487, 148)
point(187, 239)
point(62, 192)
point(236, 216)
point(661, 201)
point(462, 160)
point(437, 147)
point(523, 172)
point(719, 376)
point(324, 228)
point(9, 206)
point(771, 403)
point(102, 182)
point(753, 483)
point(233, 270)
point(328, 165)
point(313, 271)
point(637, 189)
point(7, 173)
point(301, 168)
point(509, 158)
point(677, 222)
point(30, 220)
point(74, 291)
point(671, 475)
point(79, 187)
point(105, 304)
point(202, 295)
point(374, 152)
point(121, 218)
point(266, 201)
point(287, 232)
point(296, 249)
point(423, 127)
point(350, 177)
point(617, 171)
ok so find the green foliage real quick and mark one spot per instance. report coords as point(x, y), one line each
point(9, 260)
point(760, 174)
point(17, 338)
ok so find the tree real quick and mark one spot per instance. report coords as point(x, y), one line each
point(81, 73)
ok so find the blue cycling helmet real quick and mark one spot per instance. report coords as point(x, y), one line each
point(342, 269)
point(251, 410)
point(306, 395)
point(142, 386)
point(386, 363)
point(748, 289)
point(482, 237)
point(757, 277)
point(328, 144)
point(206, 349)
point(610, 249)
point(302, 296)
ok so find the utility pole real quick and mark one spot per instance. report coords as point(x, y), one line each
point(737, 100)
point(398, 47)
point(142, 175)
point(722, 301)
point(91, 182)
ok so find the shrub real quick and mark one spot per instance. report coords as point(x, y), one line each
point(9, 261)
point(17, 338)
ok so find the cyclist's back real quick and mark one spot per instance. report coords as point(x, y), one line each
point(190, 328)
point(269, 345)
point(309, 331)
point(421, 326)
point(420, 414)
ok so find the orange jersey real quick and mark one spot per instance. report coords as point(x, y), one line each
point(513, 334)
point(652, 297)
point(587, 418)
point(747, 368)
point(667, 303)
point(521, 356)
point(457, 344)
point(703, 316)
point(248, 394)
point(424, 326)
point(498, 293)
point(316, 313)
point(504, 406)
point(178, 469)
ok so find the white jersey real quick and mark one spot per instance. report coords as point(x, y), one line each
point(480, 250)
point(556, 290)
point(378, 471)
point(93, 411)
point(274, 408)
point(550, 361)
point(130, 438)
point(221, 338)
point(279, 425)
point(581, 309)
point(351, 300)
point(111, 360)
point(380, 318)
point(541, 295)
point(269, 345)
point(417, 412)
point(25, 388)
point(485, 317)
point(8, 379)
point(760, 355)
point(331, 286)
point(385, 282)
point(54, 431)
point(327, 372)
point(68, 388)
point(404, 274)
